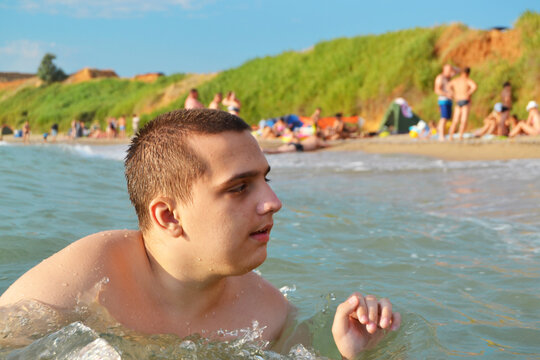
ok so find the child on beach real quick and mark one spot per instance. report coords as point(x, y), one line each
point(198, 182)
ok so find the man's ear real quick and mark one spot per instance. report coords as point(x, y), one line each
point(164, 216)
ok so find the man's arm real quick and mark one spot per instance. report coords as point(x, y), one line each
point(58, 280)
point(472, 87)
point(438, 86)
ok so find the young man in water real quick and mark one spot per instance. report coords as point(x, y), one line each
point(198, 181)
point(462, 88)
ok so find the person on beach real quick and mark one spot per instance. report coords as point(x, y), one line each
point(531, 126)
point(462, 88)
point(444, 97)
point(338, 130)
point(192, 101)
point(111, 128)
point(491, 122)
point(216, 102)
point(506, 100)
point(54, 132)
point(26, 132)
point(122, 126)
point(205, 217)
point(135, 123)
point(310, 143)
point(232, 103)
point(315, 117)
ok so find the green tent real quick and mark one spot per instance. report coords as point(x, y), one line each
point(6, 130)
point(398, 118)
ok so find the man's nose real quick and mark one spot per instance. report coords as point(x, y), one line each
point(270, 202)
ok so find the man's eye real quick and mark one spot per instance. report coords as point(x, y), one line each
point(238, 189)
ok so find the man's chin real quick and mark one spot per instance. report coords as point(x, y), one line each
point(256, 261)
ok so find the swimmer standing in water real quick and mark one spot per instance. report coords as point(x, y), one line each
point(205, 217)
point(462, 88)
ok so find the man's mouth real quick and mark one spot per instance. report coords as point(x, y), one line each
point(263, 234)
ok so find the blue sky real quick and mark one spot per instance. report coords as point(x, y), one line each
point(170, 36)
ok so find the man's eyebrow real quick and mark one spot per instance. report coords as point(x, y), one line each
point(244, 175)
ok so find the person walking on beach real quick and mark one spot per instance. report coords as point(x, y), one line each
point(192, 101)
point(532, 125)
point(216, 101)
point(445, 97)
point(26, 132)
point(462, 88)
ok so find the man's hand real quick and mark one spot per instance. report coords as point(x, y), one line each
point(360, 323)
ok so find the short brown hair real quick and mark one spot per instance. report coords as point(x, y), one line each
point(160, 160)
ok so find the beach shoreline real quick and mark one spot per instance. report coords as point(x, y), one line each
point(523, 147)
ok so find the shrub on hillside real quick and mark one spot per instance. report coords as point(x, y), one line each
point(48, 72)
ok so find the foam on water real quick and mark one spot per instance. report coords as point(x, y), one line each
point(339, 161)
point(111, 152)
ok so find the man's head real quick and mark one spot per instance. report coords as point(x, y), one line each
point(161, 161)
point(507, 84)
point(198, 181)
point(194, 93)
point(466, 71)
point(447, 71)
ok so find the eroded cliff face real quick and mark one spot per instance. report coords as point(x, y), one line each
point(86, 74)
point(467, 47)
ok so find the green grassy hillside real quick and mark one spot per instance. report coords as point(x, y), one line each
point(90, 101)
point(359, 75)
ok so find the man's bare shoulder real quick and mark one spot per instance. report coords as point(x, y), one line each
point(61, 278)
point(269, 304)
point(264, 289)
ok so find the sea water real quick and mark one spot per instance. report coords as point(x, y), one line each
point(454, 245)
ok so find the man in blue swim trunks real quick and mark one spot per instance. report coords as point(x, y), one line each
point(445, 97)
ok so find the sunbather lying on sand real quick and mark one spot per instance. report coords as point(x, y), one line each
point(311, 143)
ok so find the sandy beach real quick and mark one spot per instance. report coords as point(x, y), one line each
point(523, 147)
point(472, 149)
